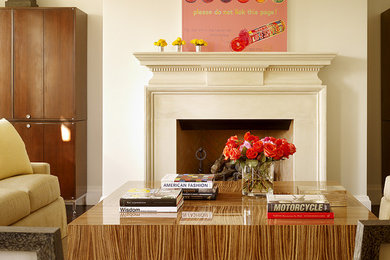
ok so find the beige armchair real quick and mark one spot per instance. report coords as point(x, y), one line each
point(384, 210)
point(33, 200)
point(29, 194)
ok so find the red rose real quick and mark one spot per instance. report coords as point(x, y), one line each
point(279, 154)
point(286, 149)
point(251, 138)
point(235, 154)
point(251, 153)
point(293, 149)
point(226, 152)
point(270, 150)
point(247, 135)
point(279, 142)
point(232, 141)
point(258, 146)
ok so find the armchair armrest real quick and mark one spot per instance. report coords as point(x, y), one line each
point(40, 168)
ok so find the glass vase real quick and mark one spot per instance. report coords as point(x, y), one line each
point(258, 180)
point(160, 48)
point(179, 48)
point(198, 48)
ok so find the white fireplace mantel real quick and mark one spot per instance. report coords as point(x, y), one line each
point(271, 85)
point(230, 69)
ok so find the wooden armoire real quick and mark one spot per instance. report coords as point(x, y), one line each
point(43, 88)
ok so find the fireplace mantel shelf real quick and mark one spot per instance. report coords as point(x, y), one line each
point(234, 58)
point(235, 69)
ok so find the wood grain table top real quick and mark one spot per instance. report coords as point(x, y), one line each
point(230, 208)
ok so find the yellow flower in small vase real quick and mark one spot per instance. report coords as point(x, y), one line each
point(178, 43)
point(198, 44)
point(161, 44)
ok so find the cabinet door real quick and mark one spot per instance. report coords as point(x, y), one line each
point(59, 63)
point(59, 152)
point(5, 64)
point(28, 63)
point(32, 135)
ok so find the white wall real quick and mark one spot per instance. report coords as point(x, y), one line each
point(331, 26)
point(374, 162)
point(95, 51)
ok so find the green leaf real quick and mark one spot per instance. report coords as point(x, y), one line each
point(243, 152)
point(252, 163)
point(263, 158)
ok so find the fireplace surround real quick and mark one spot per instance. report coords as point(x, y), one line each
point(236, 86)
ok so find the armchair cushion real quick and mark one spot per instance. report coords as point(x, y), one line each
point(14, 205)
point(14, 159)
point(42, 189)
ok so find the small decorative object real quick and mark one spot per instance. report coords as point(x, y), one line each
point(21, 3)
point(179, 44)
point(198, 44)
point(160, 44)
point(255, 158)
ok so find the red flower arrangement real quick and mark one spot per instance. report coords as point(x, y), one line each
point(253, 148)
point(255, 157)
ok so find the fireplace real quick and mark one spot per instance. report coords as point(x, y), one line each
point(214, 95)
point(200, 142)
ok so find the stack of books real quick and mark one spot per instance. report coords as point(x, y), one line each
point(298, 207)
point(194, 186)
point(151, 200)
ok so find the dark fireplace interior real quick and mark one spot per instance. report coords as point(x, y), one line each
point(211, 136)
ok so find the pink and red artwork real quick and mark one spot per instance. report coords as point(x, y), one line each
point(236, 25)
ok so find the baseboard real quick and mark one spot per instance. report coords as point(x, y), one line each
point(365, 200)
point(93, 195)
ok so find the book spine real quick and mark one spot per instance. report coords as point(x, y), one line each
point(210, 196)
point(187, 185)
point(148, 209)
point(301, 215)
point(298, 207)
point(147, 202)
point(148, 215)
point(200, 191)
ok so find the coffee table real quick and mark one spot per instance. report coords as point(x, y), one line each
point(231, 227)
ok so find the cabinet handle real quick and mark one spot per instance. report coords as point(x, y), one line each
point(28, 125)
point(28, 116)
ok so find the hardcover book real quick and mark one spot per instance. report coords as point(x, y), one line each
point(200, 190)
point(201, 196)
point(297, 203)
point(151, 197)
point(158, 209)
point(148, 215)
point(188, 181)
point(301, 215)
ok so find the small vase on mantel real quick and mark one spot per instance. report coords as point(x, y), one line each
point(179, 48)
point(160, 48)
point(198, 48)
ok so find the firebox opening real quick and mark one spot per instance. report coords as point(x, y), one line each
point(212, 134)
